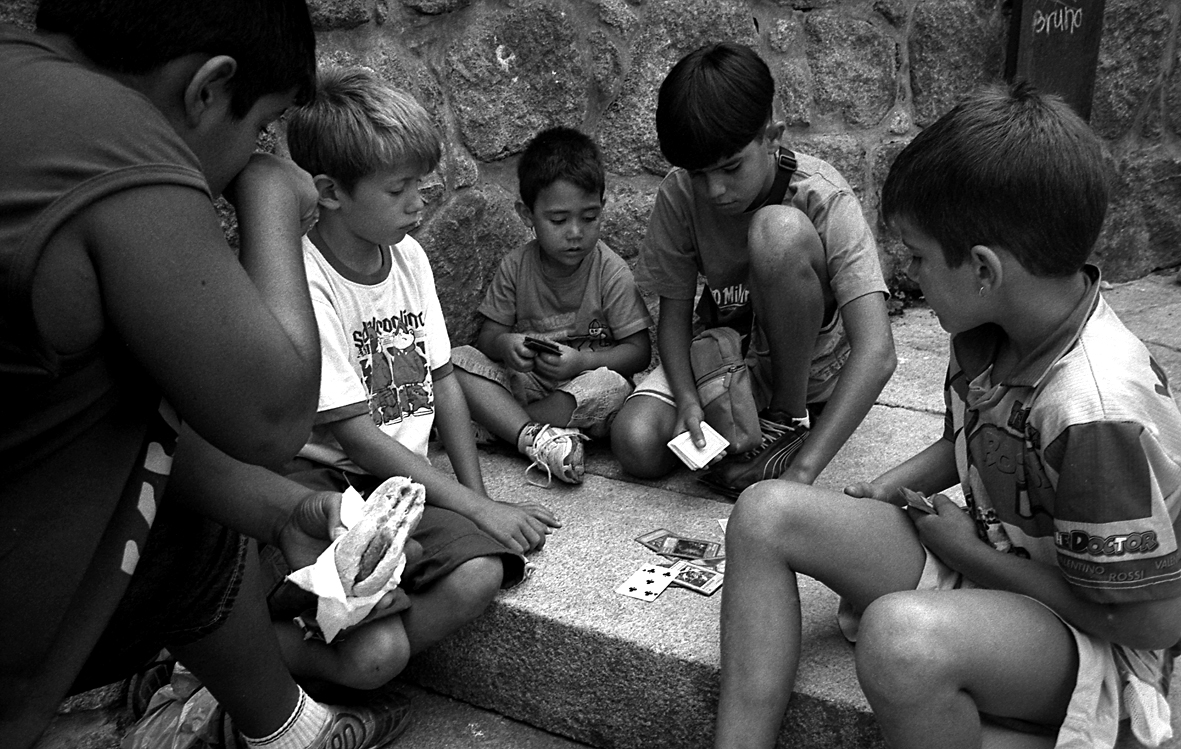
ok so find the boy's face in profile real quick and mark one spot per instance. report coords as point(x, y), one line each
point(383, 207)
point(567, 221)
point(735, 183)
point(951, 292)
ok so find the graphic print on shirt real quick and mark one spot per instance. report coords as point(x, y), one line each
point(394, 366)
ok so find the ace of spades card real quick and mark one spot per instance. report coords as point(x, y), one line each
point(648, 582)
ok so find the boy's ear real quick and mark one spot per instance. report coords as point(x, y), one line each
point(524, 212)
point(988, 267)
point(773, 137)
point(207, 93)
point(328, 190)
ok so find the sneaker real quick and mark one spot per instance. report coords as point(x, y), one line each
point(373, 725)
point(782, 439)
point(484, 438)
point(557, 450)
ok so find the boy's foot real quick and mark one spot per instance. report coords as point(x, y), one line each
point(484, 438)
point(782, 438)
point(557, 451)
point(373, 725)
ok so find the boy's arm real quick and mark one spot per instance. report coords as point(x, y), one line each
point(521, 528)
point(454, 422)
point(629, 355)
point(928, 472)
point(870, 365)
point(674, 334)
point(951, 534)
point(233, 345)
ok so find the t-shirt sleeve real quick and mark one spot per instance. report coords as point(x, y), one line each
point(1114, 531)
point(853, 265)
point(500, 300)
point(668, 263)
point(342, 393)
point(626, 312)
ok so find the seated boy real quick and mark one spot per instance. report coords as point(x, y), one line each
point(788, 260)
point(387, 378)
point(121, 121)
point(568, 289)
point(1052, 600)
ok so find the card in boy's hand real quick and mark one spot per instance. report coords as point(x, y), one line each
point(917, 501)
point(698, 579)
point(541, 345)
point(648, 582)
point(694, 457)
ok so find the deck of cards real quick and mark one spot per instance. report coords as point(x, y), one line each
point(917, 501)
point(694, 457)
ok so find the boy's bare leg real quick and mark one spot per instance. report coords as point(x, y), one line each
point(861, 548)
point(493, 406)
point(931, 661)
point(557, 408)
point(365, 658)
point(452, 602)
point(785, 251)
point(640, 435)
point(241, 664)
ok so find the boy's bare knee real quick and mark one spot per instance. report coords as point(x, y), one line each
point(371, 660)
point(473, 585)
point(636, 445)
point(767, 511)
point(902, 646)
point(783, 236)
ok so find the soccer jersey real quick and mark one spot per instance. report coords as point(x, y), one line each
point(1074, 459)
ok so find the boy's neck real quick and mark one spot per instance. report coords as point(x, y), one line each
point(1035, 308)
point(358, 255)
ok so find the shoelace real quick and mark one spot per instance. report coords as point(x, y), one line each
point(538, 462)
point(772, 431)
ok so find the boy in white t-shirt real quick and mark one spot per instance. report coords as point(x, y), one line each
point(386, 380)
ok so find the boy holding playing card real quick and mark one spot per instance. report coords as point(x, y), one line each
point(788, 261)
point(1051, 602)
point(564, 325)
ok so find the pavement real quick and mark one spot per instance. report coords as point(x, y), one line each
point(563, 661)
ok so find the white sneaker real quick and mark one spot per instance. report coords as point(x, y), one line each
point(557, 450)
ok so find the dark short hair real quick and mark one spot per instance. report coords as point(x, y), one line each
point(359, 123)
point(1007, 167)
point(712, 104)
point(271, 40)
point(559, 153)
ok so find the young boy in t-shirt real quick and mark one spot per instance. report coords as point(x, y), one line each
point(387, 379)
point(1051, 601)
point(788, 261)
point(570, 291)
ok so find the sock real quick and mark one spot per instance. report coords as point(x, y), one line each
point(527, 434)
point(306, 722)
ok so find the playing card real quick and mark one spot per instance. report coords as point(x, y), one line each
point(694, 457)
point(540, 344)
point(654, 540)
point(698, 579)
point(648, 582)
point(713, 564)
point(917, 501)
point(689, 548)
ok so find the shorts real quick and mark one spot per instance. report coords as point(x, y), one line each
point(598, 393)
point(1113, 682)
point(184, 588)
point(448, 539)
point(829, 355)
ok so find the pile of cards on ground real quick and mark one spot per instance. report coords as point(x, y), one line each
point(690, 563)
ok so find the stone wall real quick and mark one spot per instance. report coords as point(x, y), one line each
point(857, 79)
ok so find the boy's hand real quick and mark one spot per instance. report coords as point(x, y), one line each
point(522, 528)
point(266, 171)
point(309, 529)
point(689, 418)
point(564, 365)
point(870, 490)
point(515, 354)
point(948, 529)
